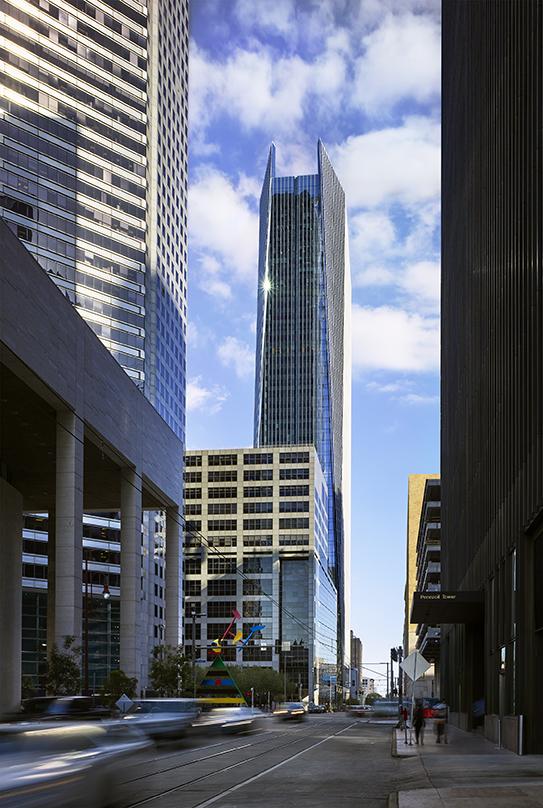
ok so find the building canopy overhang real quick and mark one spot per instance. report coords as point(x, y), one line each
point(435, 608)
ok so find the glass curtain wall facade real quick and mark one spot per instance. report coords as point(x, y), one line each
point(93, 172)
point(303, 386)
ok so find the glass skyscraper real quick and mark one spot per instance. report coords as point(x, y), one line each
point(93, 162)
point(93, 126)
point(303, 377)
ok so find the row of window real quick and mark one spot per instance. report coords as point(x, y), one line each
point(225, 608)
point(248, 459)
point(224, 587)
point(231, 492)
point(256, 565)
point(195, 509)
point(249, 475)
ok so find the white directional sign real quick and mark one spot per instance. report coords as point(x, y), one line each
point(124, 703)
point(415, 665)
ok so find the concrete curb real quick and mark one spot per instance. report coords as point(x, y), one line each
point(392, 801)
point(394, 744)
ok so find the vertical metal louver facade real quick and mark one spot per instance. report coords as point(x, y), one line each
point(302, 391)
point(492, 358)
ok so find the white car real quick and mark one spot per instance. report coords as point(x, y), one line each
point(44, 765)
point(229, 719)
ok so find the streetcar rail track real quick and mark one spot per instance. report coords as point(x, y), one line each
point(206, 757)
point(181, 786)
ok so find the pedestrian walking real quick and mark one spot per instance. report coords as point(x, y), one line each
point(441, 723)
point(419, 723)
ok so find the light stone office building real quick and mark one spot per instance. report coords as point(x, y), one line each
point(93, 162)
point(256, 542)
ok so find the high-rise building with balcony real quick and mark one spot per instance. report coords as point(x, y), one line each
point(303, 381)
point(93, 172)
point(423, 572)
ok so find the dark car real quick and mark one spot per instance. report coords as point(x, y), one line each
point(293, 710)
point(316, 708)
point(63, 708)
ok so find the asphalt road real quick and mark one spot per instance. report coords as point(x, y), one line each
point(327, 760)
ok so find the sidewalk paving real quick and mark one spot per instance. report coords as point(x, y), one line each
point(469, 771)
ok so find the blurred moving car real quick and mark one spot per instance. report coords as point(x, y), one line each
point(359, 710)
point(62, 708)
point(163, 719)
point(65, 765)
point(316, 708)
point(229, 719)
point(294, 710)
point(386, 708)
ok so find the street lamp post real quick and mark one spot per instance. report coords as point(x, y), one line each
point(193, 661)
point(86, 633)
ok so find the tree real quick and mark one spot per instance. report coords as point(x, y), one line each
point(116, 684)
point(64, 669)
point(264, 681)
point(371, 698)
point(170, 671)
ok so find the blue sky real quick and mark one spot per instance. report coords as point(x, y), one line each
point(364, 76)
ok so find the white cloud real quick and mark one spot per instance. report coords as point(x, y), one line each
point(237, 354)
point(200, 397)
point(389, 387)
point(260, 89)
point(400, 164)
point(401, 61)
point(223, 229)
point(387, 338)
point(421, 283)
point(417, 399)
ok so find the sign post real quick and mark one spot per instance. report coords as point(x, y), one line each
point(414, 666)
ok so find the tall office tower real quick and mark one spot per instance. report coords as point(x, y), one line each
point(263, 516)
point(93, 161)
point(492, 337)
point(94, 171)
point(303, 362)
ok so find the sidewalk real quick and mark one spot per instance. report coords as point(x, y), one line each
point(469, 772)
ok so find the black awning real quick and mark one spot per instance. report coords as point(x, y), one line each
point(434, 608)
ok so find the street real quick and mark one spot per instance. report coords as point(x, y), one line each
point(321, 761)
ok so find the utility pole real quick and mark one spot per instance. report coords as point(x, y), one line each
point(388, 679)
point(193, 661)
point(299, 687)
point(400, 677)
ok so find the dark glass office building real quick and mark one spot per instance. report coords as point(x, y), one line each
point(492, 360)
point(302, 391)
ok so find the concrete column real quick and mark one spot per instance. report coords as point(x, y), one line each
point(11, 547)
point(174, 579)
point(51, 588)
point(131, 572)
point(67, 591)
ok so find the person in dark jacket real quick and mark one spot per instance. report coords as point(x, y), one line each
point(418, 723)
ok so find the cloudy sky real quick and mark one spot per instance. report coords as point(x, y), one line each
point(364, 76)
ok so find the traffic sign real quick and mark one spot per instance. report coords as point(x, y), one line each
point(415, 665)
point(124, 703)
